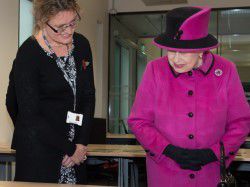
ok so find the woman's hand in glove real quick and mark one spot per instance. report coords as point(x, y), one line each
point(191, 159)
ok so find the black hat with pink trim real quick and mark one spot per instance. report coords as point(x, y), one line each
point(187, 30)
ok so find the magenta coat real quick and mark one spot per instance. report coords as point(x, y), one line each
point(192, 110)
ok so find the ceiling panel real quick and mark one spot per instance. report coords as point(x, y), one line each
point(163, 2)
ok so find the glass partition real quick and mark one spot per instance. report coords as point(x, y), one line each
point(130, 50)
point(234, 36)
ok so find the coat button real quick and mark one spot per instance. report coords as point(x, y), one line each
point(190, 73)
point(151, 154)
point(192, 176)
point(190, 136)
point(190, 92)
point(231, 153)
point(190, 114)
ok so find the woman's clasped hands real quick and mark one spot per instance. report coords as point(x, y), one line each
point(79, 156)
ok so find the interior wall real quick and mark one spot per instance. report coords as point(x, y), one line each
point(8, 48)
point(95, 26)
point(139, 6)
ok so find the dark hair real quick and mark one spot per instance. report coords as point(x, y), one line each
point(44, 10)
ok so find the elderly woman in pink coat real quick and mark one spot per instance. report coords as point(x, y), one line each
point(187, 103)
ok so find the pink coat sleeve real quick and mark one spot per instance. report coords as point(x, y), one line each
point(141, 119)
point(238, 118)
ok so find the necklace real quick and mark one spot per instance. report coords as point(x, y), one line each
point(50, 46)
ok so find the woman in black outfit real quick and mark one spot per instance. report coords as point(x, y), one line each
point(51, 96)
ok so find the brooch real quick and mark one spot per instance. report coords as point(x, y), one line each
point(177, 36)
point(85, 64)
point(218, 72)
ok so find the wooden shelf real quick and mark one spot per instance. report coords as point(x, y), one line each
point(131, 151)
point(123, 136)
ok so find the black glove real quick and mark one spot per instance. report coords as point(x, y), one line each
point(198, 158)
point(183, 157)
point(192, 167)
point(188, 158)
point(204, 156)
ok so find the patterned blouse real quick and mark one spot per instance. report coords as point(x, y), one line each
point(67, 66)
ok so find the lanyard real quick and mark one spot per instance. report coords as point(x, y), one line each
point(71, 80)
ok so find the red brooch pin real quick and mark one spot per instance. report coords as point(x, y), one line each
point(84, 64)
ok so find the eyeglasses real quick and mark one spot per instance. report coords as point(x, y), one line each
point(173, 54)
point(63, 28)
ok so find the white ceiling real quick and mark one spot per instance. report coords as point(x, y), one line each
point(163, 2)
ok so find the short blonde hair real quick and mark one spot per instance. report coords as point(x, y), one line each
point(44, 10)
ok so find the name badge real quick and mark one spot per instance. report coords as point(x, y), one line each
point(74, 118)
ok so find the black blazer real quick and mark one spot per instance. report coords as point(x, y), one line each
point(38, 99)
